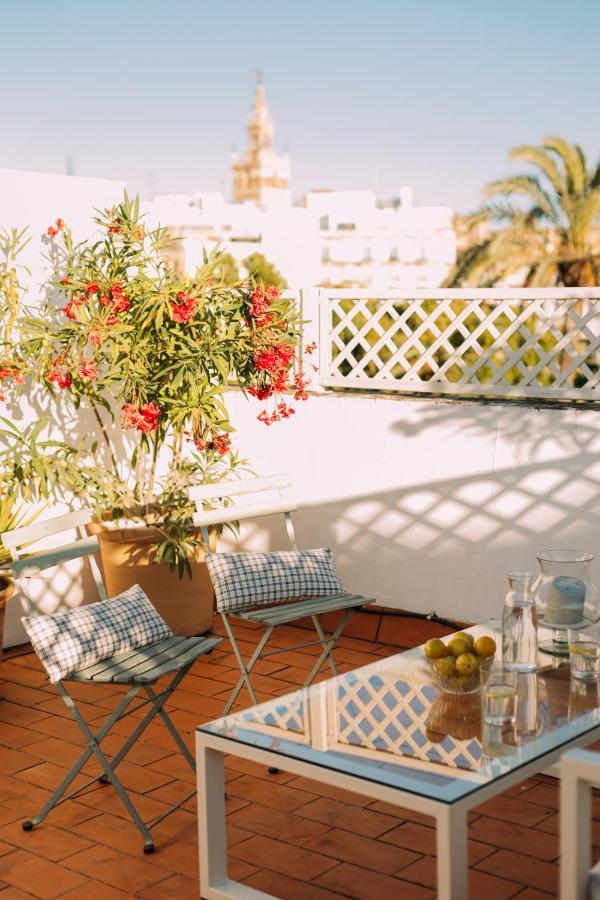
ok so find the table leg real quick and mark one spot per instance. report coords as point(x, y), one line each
point(212, 838)
point(452, 863)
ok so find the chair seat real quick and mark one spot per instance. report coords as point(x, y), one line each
point(299, 609)
point(147, 665)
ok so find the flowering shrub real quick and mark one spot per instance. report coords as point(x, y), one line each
point(154, 352)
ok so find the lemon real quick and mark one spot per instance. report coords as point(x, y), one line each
point(465, 637)
point(458, 646)
point(445, 667)
point(466, 664)
point(485, 646)
point(435, 649)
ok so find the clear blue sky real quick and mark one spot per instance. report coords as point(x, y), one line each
point(431, 93)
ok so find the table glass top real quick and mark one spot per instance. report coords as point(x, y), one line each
point(390, 723)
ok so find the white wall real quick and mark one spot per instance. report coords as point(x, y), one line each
point(35, 200)
point(428, 504)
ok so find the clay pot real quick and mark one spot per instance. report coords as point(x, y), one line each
point(127, 558)
point(7, 589)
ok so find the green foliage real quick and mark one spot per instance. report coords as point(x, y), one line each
point(542, 226)
point(150, 353)
point(226, 269)
point(261, 270)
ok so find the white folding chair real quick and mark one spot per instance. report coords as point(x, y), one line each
point(137, 669)
point(271, 615)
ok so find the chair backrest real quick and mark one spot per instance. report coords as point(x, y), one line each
point(238, 512)
point(27, 563)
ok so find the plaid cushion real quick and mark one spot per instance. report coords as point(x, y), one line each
point(255, 579)
point(65, 642)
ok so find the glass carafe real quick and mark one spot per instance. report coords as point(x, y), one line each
point(565, 595)
point(519, 623)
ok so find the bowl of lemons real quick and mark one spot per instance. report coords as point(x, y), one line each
point(455, 665)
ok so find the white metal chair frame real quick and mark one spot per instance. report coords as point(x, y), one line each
point(271, 616)
point(137, 669)
point(579, 773)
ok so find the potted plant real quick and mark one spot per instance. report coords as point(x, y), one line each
point(140, 357)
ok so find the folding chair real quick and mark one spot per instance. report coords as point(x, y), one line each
point(138, 670)
point(271, 616)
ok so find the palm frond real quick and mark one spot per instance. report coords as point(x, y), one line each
point(538, 157)
point(595, 177)
point(573, 159)
point(530, 187)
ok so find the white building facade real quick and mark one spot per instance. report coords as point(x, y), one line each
point(333, 238)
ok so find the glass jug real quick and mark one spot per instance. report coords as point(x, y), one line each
point(565, 595)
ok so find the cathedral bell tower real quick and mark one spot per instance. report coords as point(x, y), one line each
point(262, 177)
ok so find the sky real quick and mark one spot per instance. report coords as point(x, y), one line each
point(365, 95)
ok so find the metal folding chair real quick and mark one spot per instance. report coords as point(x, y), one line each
point(271, 616)
point(138, 670)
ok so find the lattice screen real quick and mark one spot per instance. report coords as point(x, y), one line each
point(519, 346)
point(392, 715)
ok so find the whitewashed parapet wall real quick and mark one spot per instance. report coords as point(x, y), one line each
point(34, 200)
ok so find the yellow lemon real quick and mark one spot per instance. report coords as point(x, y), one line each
point(458, 646)
point(485, 646)
point(466, 664)
point(465, 637)
point(435, 649)
point(445, 667)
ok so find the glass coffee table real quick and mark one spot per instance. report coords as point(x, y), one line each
point(388, 732)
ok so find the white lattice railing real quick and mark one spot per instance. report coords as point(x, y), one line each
point(515, 343)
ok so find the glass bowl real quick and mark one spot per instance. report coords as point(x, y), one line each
point(454, 684)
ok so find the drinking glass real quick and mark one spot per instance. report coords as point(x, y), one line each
point(499, 684)
point(584, 652)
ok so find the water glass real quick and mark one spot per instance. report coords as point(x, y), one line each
point(584, 652)
point(499, 684)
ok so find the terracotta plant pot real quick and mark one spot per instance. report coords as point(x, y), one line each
point(7, 589)
point(127, 558)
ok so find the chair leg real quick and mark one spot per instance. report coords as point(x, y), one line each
point(328, 646)
point(244, 669)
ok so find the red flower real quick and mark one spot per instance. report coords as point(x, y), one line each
point(52, 231)
point(117, 301)
point(301, 382)
point(185, 309)
point(285, 411)
point(150, 414)
point(65, 280)
point(130, 416)
point(59, 374)
point(310, 348)
point(91, 288)
point(261, 393)
point(95, 337)
point(221, 443)
point(87, 369)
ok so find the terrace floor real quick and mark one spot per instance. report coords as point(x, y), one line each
point(287, 835)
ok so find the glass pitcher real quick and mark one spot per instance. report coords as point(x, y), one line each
point(565, 595)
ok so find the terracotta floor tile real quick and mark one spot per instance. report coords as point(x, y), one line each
point(523, 869)
point(533, 894)
point(514, 810)
point(278, 796)
point(45, 840)
point(174, 887)
point(351, 818)
point(129, 873)
point(424, 872)
point(15, 736)
point(288, 888)
point(327, 790)
point(12, 761)
point(360, 884)
point(373, 855)
point(15, 714)
point(37, 876)
point(94, 890)
point(283, 858)
point(274, 823)
point(510, 835)
point(248, 767)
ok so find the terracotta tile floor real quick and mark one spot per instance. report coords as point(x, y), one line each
point(288, 836)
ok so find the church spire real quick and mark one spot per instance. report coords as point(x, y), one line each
point(262, 177)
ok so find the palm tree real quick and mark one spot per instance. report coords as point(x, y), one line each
point(550, 239)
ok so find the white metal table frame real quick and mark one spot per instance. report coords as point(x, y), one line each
point(451, 818)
